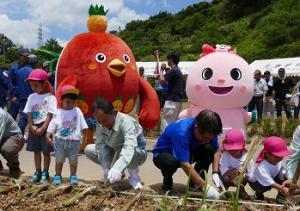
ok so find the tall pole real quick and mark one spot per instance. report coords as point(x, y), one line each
point(3, 49)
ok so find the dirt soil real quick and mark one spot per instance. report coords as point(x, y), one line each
point(97, 197)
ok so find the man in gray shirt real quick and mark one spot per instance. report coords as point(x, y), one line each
point(11, 143)
point(119, 144)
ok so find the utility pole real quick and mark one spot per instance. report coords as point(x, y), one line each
point(3, 50)
point(40, 35)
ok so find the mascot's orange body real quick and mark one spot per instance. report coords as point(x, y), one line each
point(100, 64)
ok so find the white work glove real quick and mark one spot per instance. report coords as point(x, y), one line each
point(217, 181)
point(212, 193)
point(114, 175)
point(104, 179)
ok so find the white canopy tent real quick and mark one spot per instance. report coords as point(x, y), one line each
point(291, 65)
point(150, 67)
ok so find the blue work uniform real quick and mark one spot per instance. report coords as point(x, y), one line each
point(23, 90)
point(13, 108)
point(3, 88)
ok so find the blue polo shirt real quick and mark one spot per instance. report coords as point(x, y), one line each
point(179, 140)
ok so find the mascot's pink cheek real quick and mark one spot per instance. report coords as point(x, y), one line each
point(198, 87)
point(243, 89)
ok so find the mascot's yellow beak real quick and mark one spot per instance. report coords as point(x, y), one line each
point(117, 67)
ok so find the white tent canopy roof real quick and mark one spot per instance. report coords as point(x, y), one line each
point(291, 65)
point(150, 67)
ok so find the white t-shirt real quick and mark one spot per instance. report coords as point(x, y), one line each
point(260, 87)
point(67, 124)
point(40, 106)
point(264, 172)
point(228, 162)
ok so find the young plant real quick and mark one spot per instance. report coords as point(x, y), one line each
point(278, 126)
point(255, 144)
point(164, 202)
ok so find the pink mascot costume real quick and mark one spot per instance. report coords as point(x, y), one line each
point(220, 81)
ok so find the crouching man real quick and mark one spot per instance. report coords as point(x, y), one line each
point(11, 143)
point(119, 144)
point(188, 141)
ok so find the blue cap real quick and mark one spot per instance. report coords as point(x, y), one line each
point(23, 52)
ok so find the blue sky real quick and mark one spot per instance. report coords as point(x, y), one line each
point(62, 19)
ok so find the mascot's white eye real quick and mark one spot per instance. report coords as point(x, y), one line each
point(236, 74)
point(207, 73)
point(126, 58)
point(100, 57)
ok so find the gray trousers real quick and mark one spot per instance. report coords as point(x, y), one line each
point(138, 159)
point(10, 151)
point(170, 113)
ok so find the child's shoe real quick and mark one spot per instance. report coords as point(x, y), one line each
point(45, 177)
point(36, 177)
point(74, 180)
point(57, 180)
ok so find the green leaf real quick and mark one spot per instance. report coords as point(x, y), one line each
point(51, 53)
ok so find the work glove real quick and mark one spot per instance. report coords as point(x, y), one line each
point(212, 193)
point(217, 181)
point(114, 175)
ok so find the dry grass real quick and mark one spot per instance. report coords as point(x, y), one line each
point(91, 197)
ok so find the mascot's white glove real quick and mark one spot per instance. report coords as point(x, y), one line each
point(114, 175)
point(217, 181)
point(104, 179)
point(212, 193)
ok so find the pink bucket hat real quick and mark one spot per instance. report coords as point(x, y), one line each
point(234, 140)
point(38, 75)
point(69, 89)
point(276, 146)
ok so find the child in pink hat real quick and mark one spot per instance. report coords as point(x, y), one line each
point(233, 157)
point(40, 107)
point(268, 172)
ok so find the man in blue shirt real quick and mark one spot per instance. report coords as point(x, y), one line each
point(12, 81)
point(187, 141)
point(23, 89)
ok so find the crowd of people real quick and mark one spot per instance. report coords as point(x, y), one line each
point(190, 144)
point(274, 95)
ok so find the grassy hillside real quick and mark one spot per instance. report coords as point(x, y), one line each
point(259, 29)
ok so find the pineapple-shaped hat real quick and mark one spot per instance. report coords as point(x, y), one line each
point(97, 21)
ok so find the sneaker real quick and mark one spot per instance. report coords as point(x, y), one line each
point(57, 180)
point(259, 197)
point(36, 177)
point(74, 180)
point(243, 194)
point(45, 177)
point(280, 199)
point(15, 173)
